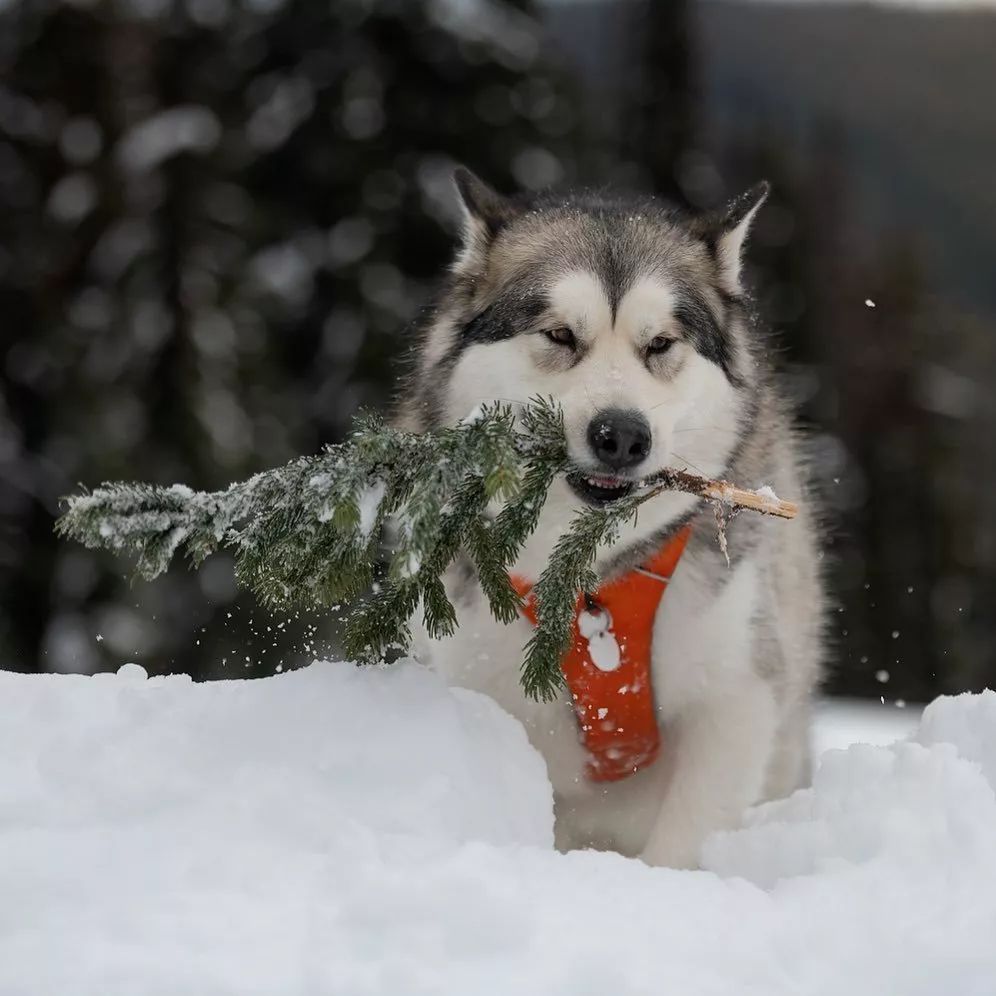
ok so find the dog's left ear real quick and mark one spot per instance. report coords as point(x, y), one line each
point(485, 213)
point(727, 232)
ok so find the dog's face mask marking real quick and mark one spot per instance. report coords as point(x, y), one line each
point(631, 321)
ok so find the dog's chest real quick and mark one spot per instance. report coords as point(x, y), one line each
point(701, 640)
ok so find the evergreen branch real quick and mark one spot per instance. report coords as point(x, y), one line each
point(568, 573)
point(309, 533)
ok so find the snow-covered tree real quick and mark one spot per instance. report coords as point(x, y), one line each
point(215, 220)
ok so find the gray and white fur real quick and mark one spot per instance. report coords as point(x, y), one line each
point(633, 316)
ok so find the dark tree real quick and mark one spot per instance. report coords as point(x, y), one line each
point(216, 221)
point(662, 104)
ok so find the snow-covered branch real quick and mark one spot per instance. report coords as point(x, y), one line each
point(309, 532)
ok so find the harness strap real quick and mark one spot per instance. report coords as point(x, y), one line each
point(607, 666)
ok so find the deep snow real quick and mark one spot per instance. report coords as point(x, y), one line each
point(344, 831)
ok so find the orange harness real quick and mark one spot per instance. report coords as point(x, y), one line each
point(612, 691)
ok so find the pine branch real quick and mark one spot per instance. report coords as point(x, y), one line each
point(568, 573)
point(309, 533)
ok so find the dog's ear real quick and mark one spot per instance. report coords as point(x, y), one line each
point(485, 213)
point(726, 233)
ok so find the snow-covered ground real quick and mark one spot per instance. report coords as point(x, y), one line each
point(343, 831)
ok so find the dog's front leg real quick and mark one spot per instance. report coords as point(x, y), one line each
point(721, 749)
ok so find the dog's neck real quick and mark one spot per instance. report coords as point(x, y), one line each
point(626, 557)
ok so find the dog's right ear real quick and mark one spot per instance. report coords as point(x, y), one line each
point(729, 230)
point(485, 213)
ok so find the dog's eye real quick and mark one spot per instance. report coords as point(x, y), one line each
point(561, 336)
point(659, 344)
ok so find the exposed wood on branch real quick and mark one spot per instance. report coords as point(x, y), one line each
point(764, 500)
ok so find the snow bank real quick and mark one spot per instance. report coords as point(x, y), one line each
point(336, 831)
point(838, 723)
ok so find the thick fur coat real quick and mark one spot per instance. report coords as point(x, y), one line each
point(633, 316)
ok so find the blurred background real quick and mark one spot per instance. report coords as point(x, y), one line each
point(219, 217)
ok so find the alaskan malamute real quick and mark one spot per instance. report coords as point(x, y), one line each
point(633, 315)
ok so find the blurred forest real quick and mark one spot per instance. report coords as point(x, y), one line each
point(218, 218)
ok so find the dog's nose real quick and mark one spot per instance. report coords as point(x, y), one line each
point(620, 439)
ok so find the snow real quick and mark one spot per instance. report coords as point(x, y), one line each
point(925, 4)
point(370, 831)
point(284, 270)
point(475, 415)
point(132, 672)
point(186, 128)
point(412, 565)
point(72, 198)
point(840, 723)
point(289, 104)
point(369, 505)
point(969, 723)
point(914, 4)
point(510, 33)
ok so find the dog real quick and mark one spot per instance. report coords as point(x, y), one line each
point(633, 315)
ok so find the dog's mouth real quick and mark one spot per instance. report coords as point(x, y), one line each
point(598, 489)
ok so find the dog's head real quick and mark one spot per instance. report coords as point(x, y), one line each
point(629, 313)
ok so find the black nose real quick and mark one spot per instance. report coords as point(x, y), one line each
point(619, 438)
